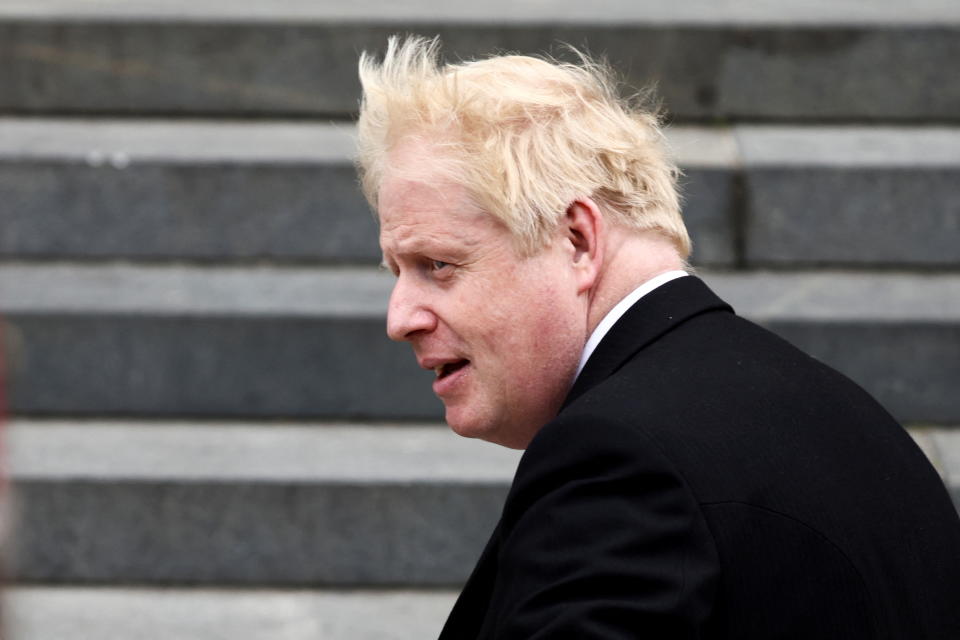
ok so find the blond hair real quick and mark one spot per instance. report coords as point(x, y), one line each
point(525, 136)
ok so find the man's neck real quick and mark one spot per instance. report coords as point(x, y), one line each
point(619, 309)
point(631, 259)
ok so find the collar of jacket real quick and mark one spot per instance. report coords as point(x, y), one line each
point(652, 316)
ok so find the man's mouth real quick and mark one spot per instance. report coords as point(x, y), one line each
point(447, 368)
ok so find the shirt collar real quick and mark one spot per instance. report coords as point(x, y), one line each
point(619, 309)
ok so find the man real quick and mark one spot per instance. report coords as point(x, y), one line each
point(687, 474)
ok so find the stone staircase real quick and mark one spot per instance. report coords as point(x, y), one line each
point(211, 436)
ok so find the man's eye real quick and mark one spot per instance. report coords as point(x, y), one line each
point(439, 265)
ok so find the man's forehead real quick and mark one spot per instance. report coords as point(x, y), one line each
point(420, 190)
point(419, 221)
point(414, 202)
point(421, 202)
point(405, 187)
point(406, 170)
point(416, 211)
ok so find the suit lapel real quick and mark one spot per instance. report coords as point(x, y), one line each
point(653, 315)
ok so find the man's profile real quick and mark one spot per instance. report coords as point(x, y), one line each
point(687, 474)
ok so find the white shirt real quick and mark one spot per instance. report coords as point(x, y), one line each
point(621, 308)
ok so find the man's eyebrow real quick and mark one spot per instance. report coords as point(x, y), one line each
point(420, 246)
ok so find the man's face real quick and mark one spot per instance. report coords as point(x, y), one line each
point(502, 332)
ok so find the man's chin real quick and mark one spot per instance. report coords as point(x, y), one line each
point(463, 427)
point(487, 431)
point(468, 424)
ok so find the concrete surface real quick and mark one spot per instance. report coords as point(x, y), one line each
point(340, 452)
point(754, 195)
point(81, 613)
point(195, 341)
point(251, 504)
point(888, 64)
point(814, 12)
point(178, 290)
point(151, 502)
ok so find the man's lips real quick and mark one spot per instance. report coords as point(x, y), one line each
point(450, 378)
point(450, 368)
point(450, 372)
point(443, 367)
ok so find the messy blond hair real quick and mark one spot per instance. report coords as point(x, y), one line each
point(525, 136)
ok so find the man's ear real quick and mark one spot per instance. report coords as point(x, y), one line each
point(585, 230)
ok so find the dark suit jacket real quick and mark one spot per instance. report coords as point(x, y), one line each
point(705, 479)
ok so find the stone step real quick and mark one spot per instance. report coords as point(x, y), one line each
point(251, 504)
point(112, 613)
point(818, 60)
point(286, 192)
point(281, 504)
point(193, 190)
point(309, 342)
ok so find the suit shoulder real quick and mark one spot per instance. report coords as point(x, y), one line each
point(585, 444)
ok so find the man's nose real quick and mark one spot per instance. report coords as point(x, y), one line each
point(408, 312)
